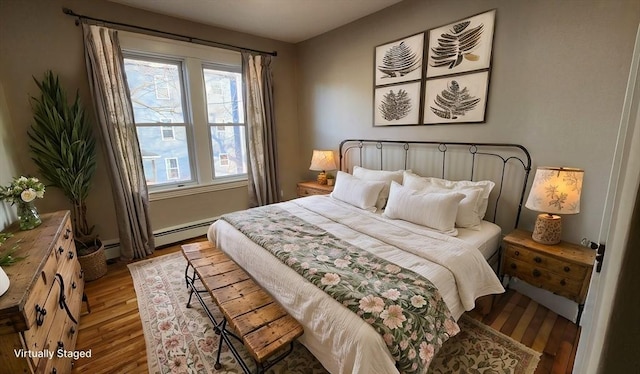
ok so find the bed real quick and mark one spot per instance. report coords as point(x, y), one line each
point(341, 332)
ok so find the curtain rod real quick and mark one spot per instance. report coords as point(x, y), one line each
point(149, 31)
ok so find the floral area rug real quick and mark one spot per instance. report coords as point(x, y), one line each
point(182, 340)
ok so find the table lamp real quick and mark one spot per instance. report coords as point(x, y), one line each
point(322, 161)
point(555, 190)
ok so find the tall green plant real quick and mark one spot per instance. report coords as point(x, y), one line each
point(63, 147)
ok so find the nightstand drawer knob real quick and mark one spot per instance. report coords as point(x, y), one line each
point(513, 266)
point(517, 253)
point(537, 260)
point(536, 273)
point(563, 283)
point(567, 269)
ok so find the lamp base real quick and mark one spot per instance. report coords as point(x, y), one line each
point(548, 229)
point(322, 178)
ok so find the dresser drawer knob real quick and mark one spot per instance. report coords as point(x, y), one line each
point(81, 274)
point(60, 249)
point(72, 330)
point(537, 260)
point(517, 253)
point(40, 313)
point(70, 255)
point(66, 233)
point(567, 269)
point(54, 371)
point(563, 282)
point(514, 266)
point(536, 273)
point(74, 285)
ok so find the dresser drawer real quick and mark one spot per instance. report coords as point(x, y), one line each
point(543, 278)
point(44, 320)
point(40, 292)
point(65, 243)
point(562, 268)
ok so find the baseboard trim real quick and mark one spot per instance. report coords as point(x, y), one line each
point(165, 236)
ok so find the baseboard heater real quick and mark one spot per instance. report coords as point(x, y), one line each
point(165, 236)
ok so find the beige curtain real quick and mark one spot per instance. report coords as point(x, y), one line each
point(105, 66)
point(263, 169)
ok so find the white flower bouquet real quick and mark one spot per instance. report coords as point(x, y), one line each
point(22, 189)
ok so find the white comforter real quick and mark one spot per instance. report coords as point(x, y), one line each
point(341, 340)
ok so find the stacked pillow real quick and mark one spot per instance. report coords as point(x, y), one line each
point(436, 210)
point(473, 206)
point(437, 203)
point(357, 192)
point(380, 176)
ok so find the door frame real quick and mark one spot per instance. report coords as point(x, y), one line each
point(624, 182)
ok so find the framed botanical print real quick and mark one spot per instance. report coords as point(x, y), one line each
point(399, 61)
point(397, 105)
point(461, 46)
point(456, 99)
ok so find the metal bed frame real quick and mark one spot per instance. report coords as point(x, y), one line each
point(503, 153)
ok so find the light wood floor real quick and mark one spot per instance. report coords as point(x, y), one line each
point(113, 331)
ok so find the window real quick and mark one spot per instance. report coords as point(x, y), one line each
point(161, 83)
point(173, 170)
point(225, 113)
point(167, 133)
point(157, 92)
point(198, 91)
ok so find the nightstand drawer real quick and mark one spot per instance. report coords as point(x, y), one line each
point(541, 277)
point(313, 188)
point(561, 268)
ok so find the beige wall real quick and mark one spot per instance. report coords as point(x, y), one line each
point(36, 36)
point(558, 80)
point(8, 160)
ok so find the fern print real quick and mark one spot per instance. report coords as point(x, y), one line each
point(454, 102)
point(456, 45)
point(398, 61)
point(395, 106)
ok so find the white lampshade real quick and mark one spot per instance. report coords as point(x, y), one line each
point(322, 161)
point(556, 190)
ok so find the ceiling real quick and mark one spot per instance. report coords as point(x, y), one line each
point(286, 20)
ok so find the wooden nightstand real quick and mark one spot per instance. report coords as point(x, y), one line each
point(313, 188)
point(564, 268)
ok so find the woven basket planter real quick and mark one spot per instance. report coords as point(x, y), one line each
point(94, 265)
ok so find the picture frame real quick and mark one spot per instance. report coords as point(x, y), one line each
point(462, 46)
point(456, 99)
point(397, 105)
point(399, 61)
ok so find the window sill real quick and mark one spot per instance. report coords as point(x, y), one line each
point(196, 189)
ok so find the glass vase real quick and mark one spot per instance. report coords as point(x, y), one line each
point(28, 216)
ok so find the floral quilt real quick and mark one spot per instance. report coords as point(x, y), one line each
point(404, 307)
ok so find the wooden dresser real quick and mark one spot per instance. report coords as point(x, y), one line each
point(564, 268)
point(40, 310)
point(313, 188)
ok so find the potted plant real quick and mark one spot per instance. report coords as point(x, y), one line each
point(63, 147)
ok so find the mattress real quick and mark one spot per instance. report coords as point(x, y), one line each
point(341, 340)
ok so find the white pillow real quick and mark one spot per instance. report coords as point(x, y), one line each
point(435, 210)
point(359, 193)
point(379, 175)
point(418, 182)
point(467, 216)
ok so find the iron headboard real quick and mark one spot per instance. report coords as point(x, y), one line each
point(454, 156)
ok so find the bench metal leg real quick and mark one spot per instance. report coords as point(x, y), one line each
point(224, 336)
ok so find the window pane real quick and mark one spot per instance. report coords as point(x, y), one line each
point(224, 96)
point(156, 93)
point(228, 150)
point(164, 160)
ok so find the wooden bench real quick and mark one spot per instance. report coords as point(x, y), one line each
point(260, 323)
